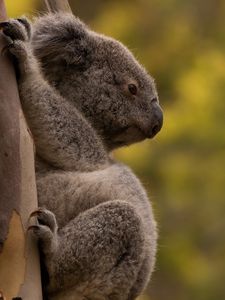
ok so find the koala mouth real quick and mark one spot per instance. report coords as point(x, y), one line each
point(128, 135)
point(134, 133)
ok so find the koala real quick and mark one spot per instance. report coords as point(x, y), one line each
point(84, 95)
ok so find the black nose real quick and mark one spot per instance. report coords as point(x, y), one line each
point(157, 120)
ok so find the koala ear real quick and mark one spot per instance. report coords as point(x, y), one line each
point(61, 37)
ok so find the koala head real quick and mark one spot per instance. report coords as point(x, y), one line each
point(101, 77)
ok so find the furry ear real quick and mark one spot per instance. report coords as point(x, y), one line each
point(61, 38)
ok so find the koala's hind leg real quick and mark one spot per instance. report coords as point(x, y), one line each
point(98, 254)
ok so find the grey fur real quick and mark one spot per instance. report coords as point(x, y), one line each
point(96, 228)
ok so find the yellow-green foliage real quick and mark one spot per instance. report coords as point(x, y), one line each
point(16, 8)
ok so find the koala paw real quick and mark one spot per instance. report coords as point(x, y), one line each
point(45, 230)
point(17, 29)
point(17, 32)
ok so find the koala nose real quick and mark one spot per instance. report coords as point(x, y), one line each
point(157, 120)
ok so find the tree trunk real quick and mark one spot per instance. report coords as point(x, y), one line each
point(19, 260)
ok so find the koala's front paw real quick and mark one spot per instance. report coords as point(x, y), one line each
point(17, 32)
point(45, 230)
point(17, 29)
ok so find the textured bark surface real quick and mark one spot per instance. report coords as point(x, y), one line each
point(10, 175)
point(19, 261)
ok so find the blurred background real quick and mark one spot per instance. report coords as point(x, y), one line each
point(182, 44)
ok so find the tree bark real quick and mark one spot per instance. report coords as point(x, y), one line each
point(19, 260)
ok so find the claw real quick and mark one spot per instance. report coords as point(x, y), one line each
point(35, 213)
point(26, 25)
point(33, 227)
point(22, 20)
point(3, 25)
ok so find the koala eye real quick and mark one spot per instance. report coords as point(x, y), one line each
point(132, 88)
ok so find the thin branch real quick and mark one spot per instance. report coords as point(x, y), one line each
point(58, 5)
